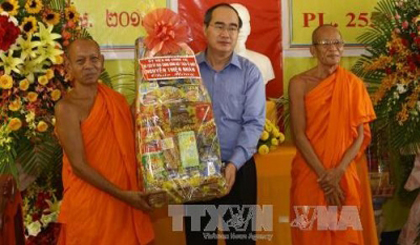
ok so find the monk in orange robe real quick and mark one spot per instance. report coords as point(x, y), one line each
point(102, 202)
point(330, 111)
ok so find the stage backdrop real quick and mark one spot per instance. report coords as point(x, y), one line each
point(115, 25)
point(265, 34)
point(351, 17)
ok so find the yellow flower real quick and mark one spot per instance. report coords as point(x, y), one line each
point(42, 126)
point(52, 18)
point(32, 96)
point(49, 74)
point(43, 80)
point(276, 132)
point(281, 137)
point(46, 35)
point(274, 142)
point(24, 84)
point(30, 117)
point(263, 149)
point(49, 52)
point(15, 105)
point(9, 62)
point(53, 121)
point(58, 60)
point(268, 127)
point(10, 6)
point(72, 14)
point(14, 124)
point(6, 82)
point(29, 25)
point(264, 135)
point(55, 94)
point(33, 6)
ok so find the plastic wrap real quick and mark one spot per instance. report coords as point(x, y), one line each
point(177, 144)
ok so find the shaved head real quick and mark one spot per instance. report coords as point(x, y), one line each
point(316, 33)
point(84, 62)
point(80, 41)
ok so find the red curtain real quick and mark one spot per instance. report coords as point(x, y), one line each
point(265, 37)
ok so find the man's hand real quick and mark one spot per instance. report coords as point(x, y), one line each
point(137, 200)
point(230, 175)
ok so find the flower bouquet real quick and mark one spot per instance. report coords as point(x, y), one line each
point(41, 208)
point(33, 34)
point(32, 79)
point(392, 71)
point(177, 145)
point(270, 138)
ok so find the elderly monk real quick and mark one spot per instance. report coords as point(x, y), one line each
point(330, 111)
point(102, 201)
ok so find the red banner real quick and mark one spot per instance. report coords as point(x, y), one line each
point(265, 34)
point(170, 67)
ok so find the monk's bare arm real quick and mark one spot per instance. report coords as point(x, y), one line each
point(298, 123)
point(69, 132)
point(352, 151)
point(70, 135)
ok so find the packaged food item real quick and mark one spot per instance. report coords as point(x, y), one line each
point(177, 146)
point(188, 149)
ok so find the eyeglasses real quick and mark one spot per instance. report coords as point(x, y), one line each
point(231, 29)
point(329, 43)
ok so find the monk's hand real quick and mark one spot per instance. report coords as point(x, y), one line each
point(335, 197)
point(230, 175)
point(137, 200)
point(330, 179)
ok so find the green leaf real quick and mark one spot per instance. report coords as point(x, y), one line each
point(38, 157)
point(56, 4)
point(106, 79)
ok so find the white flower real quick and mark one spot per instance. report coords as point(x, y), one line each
point(14, 20)
point(30, 117)
point(48, 218)
point(396, 95)
point(414, 112)
point(34, 228)
point(401, 88)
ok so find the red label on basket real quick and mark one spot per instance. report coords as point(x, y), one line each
point(169, 67)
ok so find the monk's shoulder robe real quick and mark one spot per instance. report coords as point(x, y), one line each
point(333, 109)
point(89, 215)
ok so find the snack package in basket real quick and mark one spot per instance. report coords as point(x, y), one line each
point(178, 151)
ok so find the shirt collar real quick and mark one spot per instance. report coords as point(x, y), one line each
point(234, 60)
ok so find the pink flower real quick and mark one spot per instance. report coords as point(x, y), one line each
point(397, 17)
point(405, 25)
point(166, 31)
point(397, 30)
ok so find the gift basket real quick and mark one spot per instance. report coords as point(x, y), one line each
point(178, 151)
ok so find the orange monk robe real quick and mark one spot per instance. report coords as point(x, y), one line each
point(89, 215)
point(9, 235)
point(334, 109)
